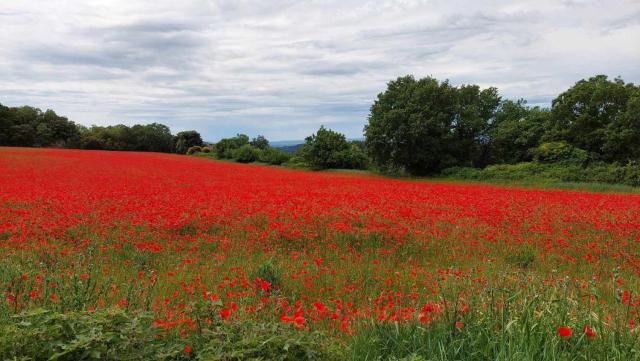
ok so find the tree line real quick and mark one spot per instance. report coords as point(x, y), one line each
point(416, 127)
point(424, 126)
point(590, 133)
point(30, 127)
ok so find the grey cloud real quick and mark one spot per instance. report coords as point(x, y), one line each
point(284, 67)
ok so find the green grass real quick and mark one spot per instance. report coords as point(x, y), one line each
point(519, 324)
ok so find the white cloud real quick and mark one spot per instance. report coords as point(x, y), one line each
point(284, 67)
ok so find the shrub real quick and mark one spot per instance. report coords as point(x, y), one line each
point(226, 148)
point(296, 161)
point(463, 173)
point(246, 154)
point(185, 140)
point(206, 150)
point(274, 156)
point(116, 335)
point(108, 335)
point(632, 174)
point(559, 152)
point(597, 172)
point(324, 149)
point(353, 158)
point(194, 149)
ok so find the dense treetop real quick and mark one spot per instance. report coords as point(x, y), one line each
point(31, 127)
point(423, 126)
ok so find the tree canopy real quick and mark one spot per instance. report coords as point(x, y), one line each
point(426, 125)
point(423, 126)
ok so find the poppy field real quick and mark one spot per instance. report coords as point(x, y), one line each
point(187, 256)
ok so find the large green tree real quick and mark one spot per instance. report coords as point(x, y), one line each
point(325, 149)
point(226, 147)
point(425, 125)
point(600, 116)
point(152, 137)
point(515, 131)
point(186, 139)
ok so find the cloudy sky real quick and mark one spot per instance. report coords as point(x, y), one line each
point(284, 67)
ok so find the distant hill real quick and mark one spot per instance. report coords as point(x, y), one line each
point(288, 148)
point(285, 143)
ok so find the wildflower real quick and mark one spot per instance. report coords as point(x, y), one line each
point(564, 331)
point(224, 313)
point(298, 321)
point(588, 331)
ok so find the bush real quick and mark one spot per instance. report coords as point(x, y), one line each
point(108, 335)
point(185, 140)
point(206, 150)
point(598, 172)
point(559, 152)
point(116, 335)
point(246, 154)
point(632, 174)
point(296, 161)
point(273, 156)
point(462, 173)
point(353, 158)
point(194, 149)
point(226, 148)
point(324, 149)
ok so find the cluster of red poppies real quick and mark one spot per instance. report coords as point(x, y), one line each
point(175, 234)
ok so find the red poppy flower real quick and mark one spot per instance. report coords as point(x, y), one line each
point(564, 331)
point(589, 332)
point(224, 313)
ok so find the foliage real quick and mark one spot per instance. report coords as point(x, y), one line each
point(226, 147)
point(274, 156)
point(329, 149)
point(240, 149)
point(559, 152)
point(206, 150)
point(595, 172)
point(516, 130)
point(186, 139)
point(108, 335)
point(194, 149)
point(246, 154)
point(354, 157)
point(321, 150)
point(116, 335)
point(424, 125)
point(600, 116)
point(259, 142)
point(28, 126)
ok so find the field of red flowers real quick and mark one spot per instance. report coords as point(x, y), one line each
point(197, 242)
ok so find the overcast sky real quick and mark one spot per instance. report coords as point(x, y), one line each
point(282, 68)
